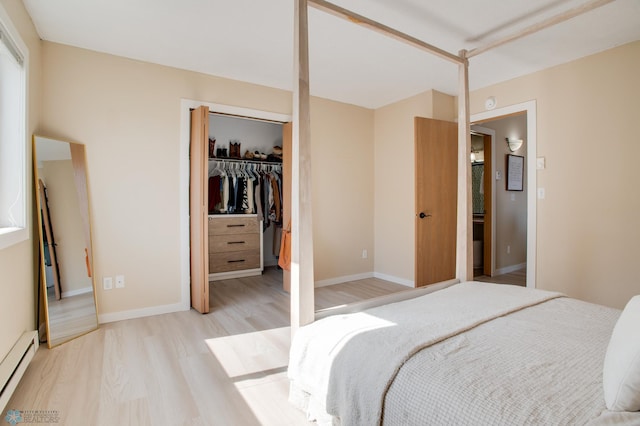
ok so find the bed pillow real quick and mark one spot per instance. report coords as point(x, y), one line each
point(621, 371)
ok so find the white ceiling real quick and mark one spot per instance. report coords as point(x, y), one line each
point(252, 40)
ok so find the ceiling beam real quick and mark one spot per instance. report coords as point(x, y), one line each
point(380, 28)
point(554, 20)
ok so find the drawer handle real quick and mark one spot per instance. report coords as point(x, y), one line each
point(235, 261)
point(236, 226)
point(235, 242)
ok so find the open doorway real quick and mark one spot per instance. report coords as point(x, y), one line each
point(512, 239)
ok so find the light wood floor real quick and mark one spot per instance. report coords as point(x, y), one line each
point(518, 277)
point(184, 368)
point(70, 316)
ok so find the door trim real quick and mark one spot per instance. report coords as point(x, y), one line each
point(183, 190)
point(532, 182)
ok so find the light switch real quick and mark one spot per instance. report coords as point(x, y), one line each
point(540, 163)
point(541, 193)
point(498, 175)
point(107, 283)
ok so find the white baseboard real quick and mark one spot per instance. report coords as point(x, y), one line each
point(139, 313)
point(77, 292)
point(512, 268)
point(408, 283)
point(343, 279)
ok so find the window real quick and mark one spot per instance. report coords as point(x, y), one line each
point(13, 142)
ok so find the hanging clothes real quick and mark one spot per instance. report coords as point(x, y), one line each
point(215, 195)
point(244, 187)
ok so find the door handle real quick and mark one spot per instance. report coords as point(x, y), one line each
point(423, 215)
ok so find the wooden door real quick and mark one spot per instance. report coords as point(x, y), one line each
point(287, 137)
point(198, 208)
point(436, 155)
point(488, 211)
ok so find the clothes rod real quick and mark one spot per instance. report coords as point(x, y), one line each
point(247, 160)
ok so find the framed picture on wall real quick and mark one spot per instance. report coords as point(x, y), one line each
point(515, 172)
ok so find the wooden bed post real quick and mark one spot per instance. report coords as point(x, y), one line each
point(464, 249)
point(554, 20)
point(302, 280)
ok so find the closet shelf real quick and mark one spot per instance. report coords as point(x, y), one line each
point(245, 160)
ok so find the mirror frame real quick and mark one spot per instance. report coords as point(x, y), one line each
point(42, 274)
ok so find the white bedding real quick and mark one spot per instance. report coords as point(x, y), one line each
point(538, 366)
point(343, 365)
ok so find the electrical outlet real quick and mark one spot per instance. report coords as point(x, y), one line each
point(119, 281)
point(364, 253)
point(107, 283)
point(508, 249)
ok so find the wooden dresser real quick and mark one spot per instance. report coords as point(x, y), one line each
point(235, 246)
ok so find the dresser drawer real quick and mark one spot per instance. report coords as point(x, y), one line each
point(234, 261)
point(234, 242)
point(233, 225)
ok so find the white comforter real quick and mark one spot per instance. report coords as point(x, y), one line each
point(344, 365)
point(537, 366)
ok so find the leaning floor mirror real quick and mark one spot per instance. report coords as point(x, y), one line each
point(66, 269)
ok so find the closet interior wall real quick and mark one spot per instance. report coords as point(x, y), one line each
point(253, 135)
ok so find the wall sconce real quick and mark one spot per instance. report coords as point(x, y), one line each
point(514, 144)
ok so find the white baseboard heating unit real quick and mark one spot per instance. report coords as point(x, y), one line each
point(15, 364)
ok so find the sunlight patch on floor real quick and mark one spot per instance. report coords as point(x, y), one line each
point(246, 354)
point(257, 365)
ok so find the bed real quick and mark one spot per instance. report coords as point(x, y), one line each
point(472, 353)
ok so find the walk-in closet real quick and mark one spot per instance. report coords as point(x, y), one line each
point(238, 197)
point(244, 182)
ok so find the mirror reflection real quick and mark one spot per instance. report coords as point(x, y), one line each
point(65, 239)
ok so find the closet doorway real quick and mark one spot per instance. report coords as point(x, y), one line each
point(239, 196)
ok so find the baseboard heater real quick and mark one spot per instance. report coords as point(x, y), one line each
point(15, 364)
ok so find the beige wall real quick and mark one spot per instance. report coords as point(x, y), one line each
point(342, 173)
point(394, 182)
point(128, 115)
point(17, 282)
point(66, 221)
point(587, 113)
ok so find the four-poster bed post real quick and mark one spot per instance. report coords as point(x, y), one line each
point(464, 241)
point(302, 280)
